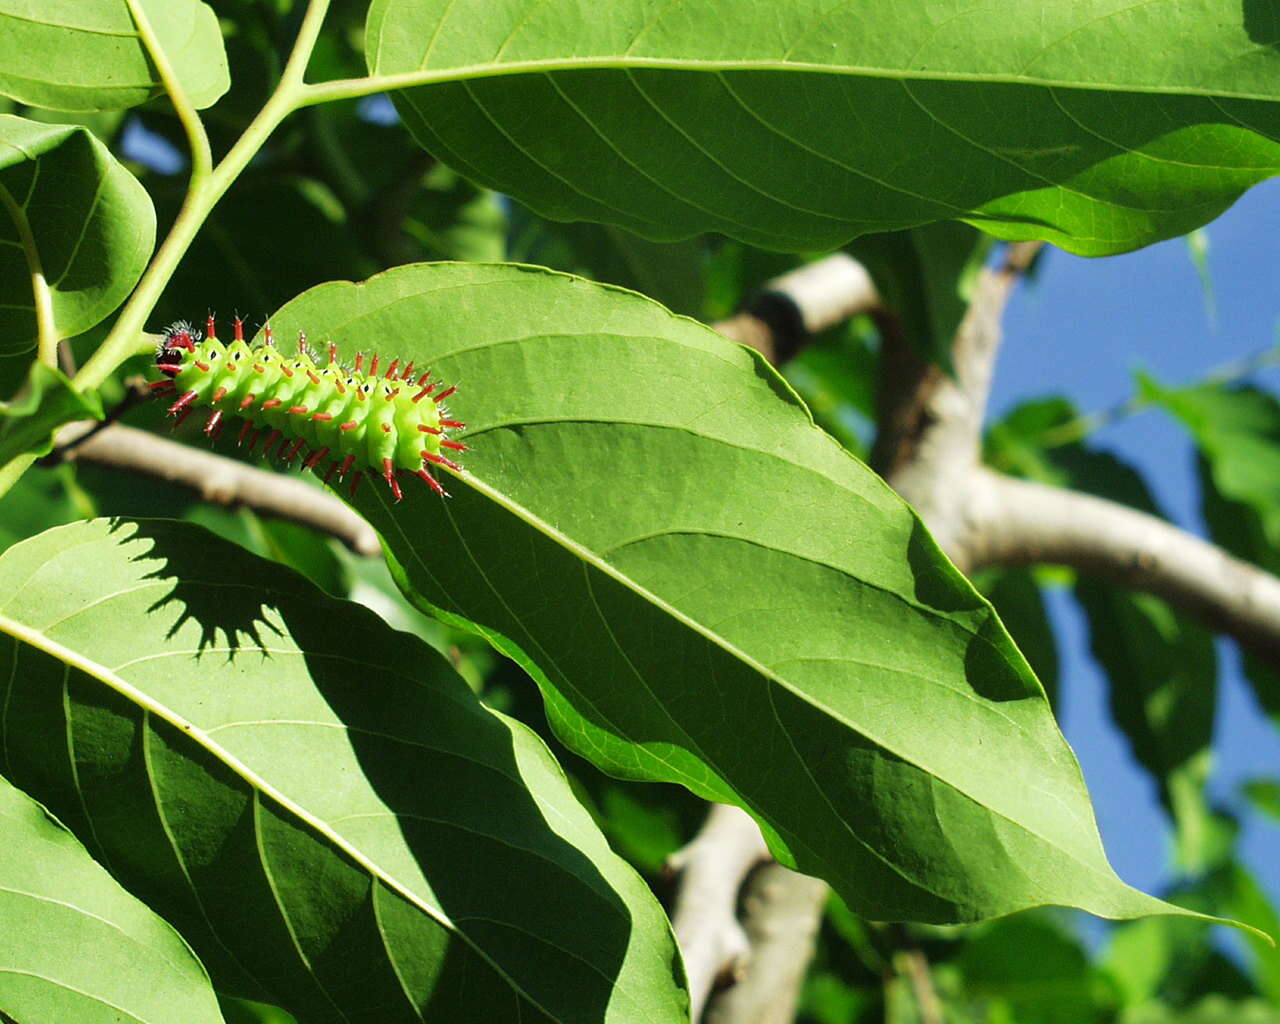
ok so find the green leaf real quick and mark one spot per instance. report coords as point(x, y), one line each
point(1162, 675)
point(1101, 127)
point(710, 591)
point(1213, 1009)
point(1017, 599)
point(318, 803)
point(1264, 795)
point(46, 403)
point(926, 275)
point(72, 220)
point(1237, 432)
point(74, 946)
point(1030, 964)
point(73, 55)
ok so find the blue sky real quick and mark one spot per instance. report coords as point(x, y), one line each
point(1080, 331)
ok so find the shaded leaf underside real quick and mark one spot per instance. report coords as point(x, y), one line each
point(1101, 127)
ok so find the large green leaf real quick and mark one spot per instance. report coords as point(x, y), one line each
point(712, 592)
point(72, 219)
point(79, 55)
point(74, 946)
point(1101, 126)
point(317, 802)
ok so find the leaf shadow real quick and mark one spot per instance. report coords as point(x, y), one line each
point(1262, 22)
point(200, 590)
point(521, 914)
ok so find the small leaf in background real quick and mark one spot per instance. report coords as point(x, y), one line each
point(74, 946)
point(670, 272)
point(35, 503)
point(663, 511)
point(298, 232)
point(73, 55)
point(1032, 967)
point(317, 802)
point(73, 214)
point(48, 400)
point(1237, 433)
point(246, 1011)
point(1198, 250)
point(1237, 430)
point(1161, 671)
point(802, 127)
point(836, 376)
point(1264, 794)
point(452, 219)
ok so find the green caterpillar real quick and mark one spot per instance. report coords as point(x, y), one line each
point(365, 421)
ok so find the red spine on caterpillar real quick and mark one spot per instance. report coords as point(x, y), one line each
point(358, 418)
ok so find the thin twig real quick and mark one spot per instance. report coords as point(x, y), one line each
point(219, 480)
point(1221, 376)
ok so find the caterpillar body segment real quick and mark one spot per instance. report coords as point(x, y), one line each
point(359, 419)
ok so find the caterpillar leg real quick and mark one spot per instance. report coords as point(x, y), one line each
point(389, 475)
point(182, 403)
point(292, 451)
point(432, 482)
point(440, 460)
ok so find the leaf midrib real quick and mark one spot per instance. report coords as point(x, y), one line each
point(593, 561)
point(39, 641)
point(613, 62)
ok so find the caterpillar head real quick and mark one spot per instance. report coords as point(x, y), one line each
point(178, 339)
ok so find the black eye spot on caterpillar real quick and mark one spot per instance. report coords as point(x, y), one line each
point(361, 419)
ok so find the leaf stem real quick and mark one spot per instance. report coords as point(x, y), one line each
point(1228, 373)
point(197, 137)
point(42, 296)
point(203, 193)
point(14, 468)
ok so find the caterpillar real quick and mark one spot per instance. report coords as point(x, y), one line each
point(363, 420)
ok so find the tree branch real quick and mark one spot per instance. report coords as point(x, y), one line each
point(217, 479)
point(712, 868)
point(1018, 522)
point(931, 424)
point(779, 320)
point(782, 911)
